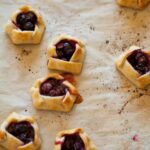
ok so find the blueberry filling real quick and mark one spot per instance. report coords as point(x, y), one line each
point(140, 61)
point(22, 130)
point(73, 142)
point(65, 49)
point(26, 21)
point(53, 87)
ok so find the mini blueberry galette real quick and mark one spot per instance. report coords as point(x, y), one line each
point(26, 26)
point(137, 4)
point(54, 92)
point(66, 53)
point(19, 132)
point(75, 139)
point(135, 65)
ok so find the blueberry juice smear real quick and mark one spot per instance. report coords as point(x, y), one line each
point(21, 130)
point(65, 49)
point(53, 87)
point(26, 21)
point(140, 61)
point(73, 142)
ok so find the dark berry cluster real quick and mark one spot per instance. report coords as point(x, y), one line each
point(140, 61)
point(53, 87)
point(65, 49)
point(26, 21)
point(73, 142)
point(22, 130)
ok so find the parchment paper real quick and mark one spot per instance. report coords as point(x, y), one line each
point(115, 114)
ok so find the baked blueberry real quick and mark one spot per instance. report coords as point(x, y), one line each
point(28, 26)
point(65, 49)
point(31, 17)
point(21, 18)
point(73, 142)
point(21, 130)
point(26, 21)
point(53, 87)
point(140, 61)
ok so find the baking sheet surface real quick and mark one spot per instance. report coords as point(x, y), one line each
point(115, 114)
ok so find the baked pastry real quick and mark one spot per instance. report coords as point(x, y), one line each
point(66, 53)
point(26, 26)
point(54, 92)
point(75, 139)
point(135, 65)
point(137, 4)
point(19, 132)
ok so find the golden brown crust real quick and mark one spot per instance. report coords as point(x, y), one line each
point(70, 78)
point(125, 67)
point(76, 62)
point(136, 4)
point(87, 142)
point(25, 37)
point(58, 103)
point(7, 140)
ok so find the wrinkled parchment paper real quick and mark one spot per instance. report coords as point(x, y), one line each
point(115, 114)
